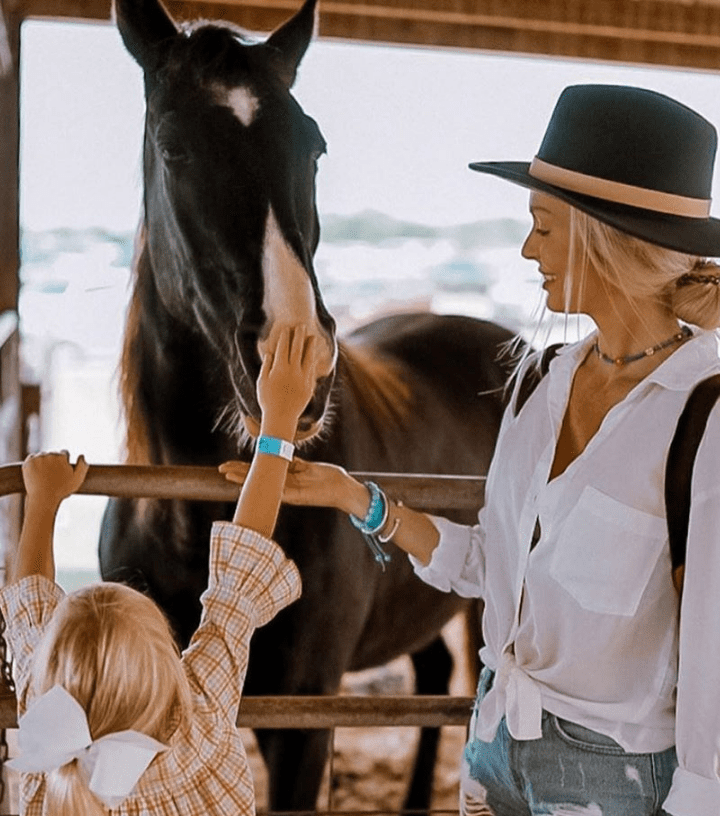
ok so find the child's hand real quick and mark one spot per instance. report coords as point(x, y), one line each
point(287, 381)
point(50, 476)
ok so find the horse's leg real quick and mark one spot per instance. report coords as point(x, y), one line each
point(295, 760)
point(433, 667)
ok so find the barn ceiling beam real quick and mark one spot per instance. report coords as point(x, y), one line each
point(661, 32)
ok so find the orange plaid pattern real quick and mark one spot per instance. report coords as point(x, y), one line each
point(205, 770)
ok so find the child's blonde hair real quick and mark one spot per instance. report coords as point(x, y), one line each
point(112, 649)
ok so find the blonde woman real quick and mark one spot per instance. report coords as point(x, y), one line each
point(600, 694)
point(114, 720)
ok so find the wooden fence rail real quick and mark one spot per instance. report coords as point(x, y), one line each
point(330, 712)
point(422, 491)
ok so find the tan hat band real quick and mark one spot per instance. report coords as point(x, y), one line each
point(618, 192)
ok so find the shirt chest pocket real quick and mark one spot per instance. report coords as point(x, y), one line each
point(606, 553)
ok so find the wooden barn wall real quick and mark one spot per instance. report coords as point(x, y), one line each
point(660, 32)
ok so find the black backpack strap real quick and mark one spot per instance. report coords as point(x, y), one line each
point(533, 375)
point(681, 461)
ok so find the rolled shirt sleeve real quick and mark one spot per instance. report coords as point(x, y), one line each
point(457, 563)
point(27, 606)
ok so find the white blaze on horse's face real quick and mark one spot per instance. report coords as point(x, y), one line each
point(241, 100)
point(289, 300)
point(244, 104)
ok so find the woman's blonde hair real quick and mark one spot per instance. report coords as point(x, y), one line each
point(638, 270)
point(111, 648)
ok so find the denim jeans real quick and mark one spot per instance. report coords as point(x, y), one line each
point(570, 770)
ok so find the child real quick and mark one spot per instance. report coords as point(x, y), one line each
point(114, 718)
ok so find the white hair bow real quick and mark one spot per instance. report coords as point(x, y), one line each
point(54, 731)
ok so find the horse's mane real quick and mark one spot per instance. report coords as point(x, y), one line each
point(376, 383)
point(210, 48)
point(137, 440)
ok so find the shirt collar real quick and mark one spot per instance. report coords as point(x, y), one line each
point(693, 361)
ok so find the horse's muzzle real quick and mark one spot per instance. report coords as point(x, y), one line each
point(313, 417)
point(305, 431)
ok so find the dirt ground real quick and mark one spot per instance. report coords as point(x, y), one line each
point(370, 767)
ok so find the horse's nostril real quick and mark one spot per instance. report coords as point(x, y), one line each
point(309, 409)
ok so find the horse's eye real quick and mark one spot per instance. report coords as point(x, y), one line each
point(168, 138)
point(173, 153)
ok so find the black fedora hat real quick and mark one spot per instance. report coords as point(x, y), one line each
point(632, 158)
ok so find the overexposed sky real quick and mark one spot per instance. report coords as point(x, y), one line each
point(401, 123)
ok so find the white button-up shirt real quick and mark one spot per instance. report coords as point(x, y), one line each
point(585, 624)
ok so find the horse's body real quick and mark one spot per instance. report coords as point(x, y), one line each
point(224, 261)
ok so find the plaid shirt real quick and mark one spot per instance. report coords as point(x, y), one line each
point(205, 771)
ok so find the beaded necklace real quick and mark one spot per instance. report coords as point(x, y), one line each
point(631, 358)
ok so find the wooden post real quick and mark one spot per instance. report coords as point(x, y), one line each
point(10, 412)
point(9, 264)
point(9, 157)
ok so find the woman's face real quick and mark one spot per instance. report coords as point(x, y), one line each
point(549, 244)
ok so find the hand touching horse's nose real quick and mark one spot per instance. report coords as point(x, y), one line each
point(287, 380)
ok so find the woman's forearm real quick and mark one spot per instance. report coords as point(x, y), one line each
point(415, 533)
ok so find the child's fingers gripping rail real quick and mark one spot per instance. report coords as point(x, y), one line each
point(52, 476)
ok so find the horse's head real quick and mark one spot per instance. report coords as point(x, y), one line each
point(230, 219)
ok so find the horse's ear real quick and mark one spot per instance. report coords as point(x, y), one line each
point(287, 45)
point(143, 26)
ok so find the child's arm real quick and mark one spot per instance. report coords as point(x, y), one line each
point(285, 386)
point(49, 478)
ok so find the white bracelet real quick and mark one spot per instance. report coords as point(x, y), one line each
point(383, 539)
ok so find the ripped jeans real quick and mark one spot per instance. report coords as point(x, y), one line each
point(570, 770)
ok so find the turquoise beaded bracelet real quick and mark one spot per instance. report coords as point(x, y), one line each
point(375, 519)
point(377, 512)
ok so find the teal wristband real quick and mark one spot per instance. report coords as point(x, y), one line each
point(275, 447)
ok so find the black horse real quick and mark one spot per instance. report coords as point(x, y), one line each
point(224, 260)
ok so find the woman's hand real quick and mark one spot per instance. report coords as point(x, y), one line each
point(51, 477)
point(312, 484)
point(287, 381)
point(318, 484)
